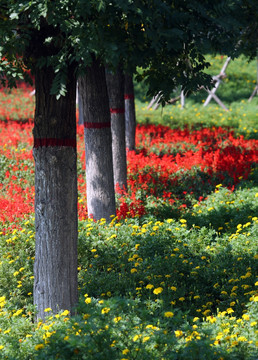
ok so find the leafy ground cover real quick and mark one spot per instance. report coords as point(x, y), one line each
point(174, 275)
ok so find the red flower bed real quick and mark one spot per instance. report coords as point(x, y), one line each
point(169, 165)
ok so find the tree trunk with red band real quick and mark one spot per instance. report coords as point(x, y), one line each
point(115, 85)
point(55, 268)
point(98, 143)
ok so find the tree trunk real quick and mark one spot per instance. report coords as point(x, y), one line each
point(115, 85)
point(98, 143)
point(55, 268)
point(130, 118)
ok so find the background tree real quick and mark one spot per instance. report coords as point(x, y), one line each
point(130, 117)
point(115, 84)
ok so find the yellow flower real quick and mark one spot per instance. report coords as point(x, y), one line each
point(105, 310)
point(149, 286)
point(133, 270)
point(241, 338)
point(181, 299)
point(125, 351)
point(211, 319)
point(65, 313)
point(39, 346)
point(136, 337)
point(246, 317)
point(88, 300)
point(157, 290)
point(230, 311)
point(146, 338)
point(178, 333)
point(173, 288)
point(1, 347)
point(48, 310)
point(168, 314)
point(18, 312)
point(117, 319)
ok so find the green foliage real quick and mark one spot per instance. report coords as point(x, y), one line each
point(168, 41)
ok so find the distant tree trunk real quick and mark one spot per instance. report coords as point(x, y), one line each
point(98, 143)
point(80, 121)
point(130, 118)
point(55, 268)
point(115, 85)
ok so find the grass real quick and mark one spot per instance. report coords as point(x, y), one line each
point(176, 276)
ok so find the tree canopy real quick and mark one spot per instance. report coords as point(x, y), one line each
point(166, 38)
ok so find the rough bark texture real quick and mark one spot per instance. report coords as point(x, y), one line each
point(130, 118)
point(98, 143)
point(115, 85)
point(55, 268)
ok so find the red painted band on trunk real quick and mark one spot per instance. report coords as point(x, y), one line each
point(117, 111)
point(54, 142)
point(91, 125)
point(129, 96)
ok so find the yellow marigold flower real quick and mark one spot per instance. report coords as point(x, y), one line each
point(173, 288)
point(88, 300)
point(125, 351)
point(133, 270)
point(230, 311)
point(48, 310)
point(65, 313)
point(170, 220)
point(195, 319)
point(181, 299)
point(146, 338)
point(241, 338)
point(136, 337)
point(149, 286)
point(196, 297)
point(246, 317)
point(39, 346)
point(206, 312)
point(178, 333)
point(168, 314)
point(211, 319)
point(117, 319)
point(157, 290)
point(254, 323)
point(18, 312)
point(105, 310)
